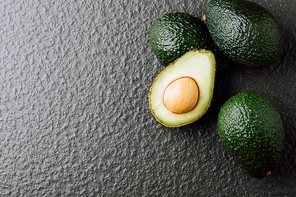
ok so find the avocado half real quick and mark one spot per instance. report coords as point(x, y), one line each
point(198, 65)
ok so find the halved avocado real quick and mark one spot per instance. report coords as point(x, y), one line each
point(188, 83)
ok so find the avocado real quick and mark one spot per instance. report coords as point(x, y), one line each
point(183, 91)
point(251, 129)
point(246, 32)
point(174, 34)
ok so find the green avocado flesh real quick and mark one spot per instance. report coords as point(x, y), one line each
point(199, 65)
point(251, 129)
point(246, 32)
point(174, 34)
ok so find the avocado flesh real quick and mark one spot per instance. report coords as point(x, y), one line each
point(251, 130)
point(174, 34)
point(199, 65)
point(246, 32)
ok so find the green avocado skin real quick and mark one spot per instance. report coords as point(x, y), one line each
point(174, 34)
point(246, 32)
point(251, 129)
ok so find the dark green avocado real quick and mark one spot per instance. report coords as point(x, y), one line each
point(174, 34)
point(251, 129)
point(246, 32)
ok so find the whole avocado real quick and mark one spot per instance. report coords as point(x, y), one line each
point(174, 34)
point(246, 32)
point(251, 130)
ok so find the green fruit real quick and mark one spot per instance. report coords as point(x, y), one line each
point(246, 32)
point(183, 91)
point(251, 129)
point(174, 34)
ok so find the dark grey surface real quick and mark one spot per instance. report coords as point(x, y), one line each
point(74, 117)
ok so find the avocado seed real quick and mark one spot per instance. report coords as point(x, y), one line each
point(181, 95)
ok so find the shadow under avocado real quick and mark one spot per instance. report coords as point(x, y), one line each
point(286, 65)
point(286, 169)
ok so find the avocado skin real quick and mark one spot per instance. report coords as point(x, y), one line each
point(251, 129)
point(174, 34)
point(246, 32)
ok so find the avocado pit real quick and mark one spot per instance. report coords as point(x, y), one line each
point(181, 95)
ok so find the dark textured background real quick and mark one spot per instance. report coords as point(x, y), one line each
point(74, 117)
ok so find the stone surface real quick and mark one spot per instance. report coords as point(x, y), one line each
point(74, 117)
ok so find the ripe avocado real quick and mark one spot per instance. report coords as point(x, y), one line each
point(183, 91)
point(246, 32)
point(251, 129)
point(174, 34)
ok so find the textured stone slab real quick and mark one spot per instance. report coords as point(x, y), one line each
point(74, 117)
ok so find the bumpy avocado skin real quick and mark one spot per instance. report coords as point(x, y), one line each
point(251, 129)
point(174, 34)
point(246, 32)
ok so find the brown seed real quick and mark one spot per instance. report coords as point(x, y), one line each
point(181, 95)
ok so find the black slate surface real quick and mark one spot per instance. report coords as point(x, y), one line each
point(74, 117)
